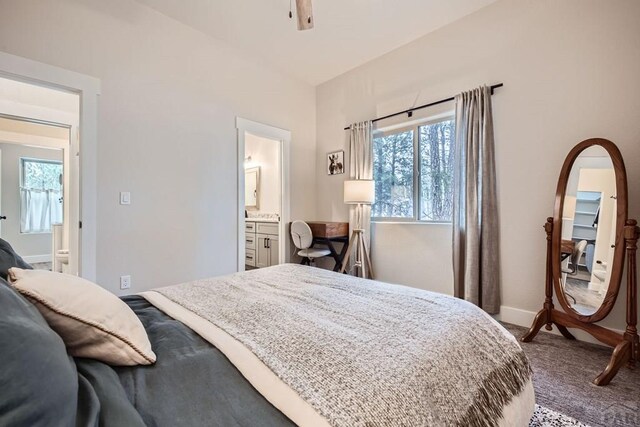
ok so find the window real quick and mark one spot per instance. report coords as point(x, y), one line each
point(413, 173)
point(40, 195)
point(393, 169)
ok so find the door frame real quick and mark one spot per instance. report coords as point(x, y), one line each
point(84, 142)
point(71, 205)
point(284, 137)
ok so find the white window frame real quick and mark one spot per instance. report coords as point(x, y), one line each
point(415, 126)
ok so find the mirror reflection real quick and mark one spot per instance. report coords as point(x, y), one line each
point(588, 230)
point(251, 187)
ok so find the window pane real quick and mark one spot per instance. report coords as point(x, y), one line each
point(41, 175)
point(436, 171)
point(393, 175)
point(41, 203)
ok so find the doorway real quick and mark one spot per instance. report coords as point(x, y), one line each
point(85, 135)
point(39, 171)
point(263, 194)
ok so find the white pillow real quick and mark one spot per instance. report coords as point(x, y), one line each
point(92, 322)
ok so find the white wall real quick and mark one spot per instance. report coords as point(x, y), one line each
point(570, 71)
point(265, 153)
point(30, 244)
point(166, 131)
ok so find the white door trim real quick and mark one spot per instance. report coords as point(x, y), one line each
point(284, 136)
point(88, 88)
point(1, 191)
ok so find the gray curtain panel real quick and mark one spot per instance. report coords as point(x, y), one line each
point(360, 167)
point(476, 252)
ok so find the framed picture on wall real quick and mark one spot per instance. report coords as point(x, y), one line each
point(335, 162)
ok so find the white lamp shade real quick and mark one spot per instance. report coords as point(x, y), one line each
point(359, 191)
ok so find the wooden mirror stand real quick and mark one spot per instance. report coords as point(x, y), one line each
point(626, 345)
point(589, 174)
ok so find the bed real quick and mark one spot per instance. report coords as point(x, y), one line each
point(295, 345)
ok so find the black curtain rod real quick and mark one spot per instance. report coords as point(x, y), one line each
point(431, 104)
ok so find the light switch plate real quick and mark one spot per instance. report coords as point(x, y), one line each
point(125, 198)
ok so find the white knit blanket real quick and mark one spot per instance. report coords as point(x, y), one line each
point(366, 353)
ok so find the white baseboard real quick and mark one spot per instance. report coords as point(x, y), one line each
point(37, 258)
point(525, 318)
point(515, 316)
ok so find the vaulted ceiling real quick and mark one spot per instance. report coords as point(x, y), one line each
point(347, 33)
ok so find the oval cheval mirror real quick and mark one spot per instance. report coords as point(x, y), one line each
point(588, 239)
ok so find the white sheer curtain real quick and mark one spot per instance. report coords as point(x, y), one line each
point(40, 209)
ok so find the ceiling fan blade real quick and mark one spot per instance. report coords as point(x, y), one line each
point(304, 12)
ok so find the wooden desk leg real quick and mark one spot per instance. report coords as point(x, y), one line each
point(334, 255)
point(343, 253)
point(337, 257)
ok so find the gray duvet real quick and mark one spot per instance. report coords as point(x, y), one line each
point(366, 353)
point(191, 384)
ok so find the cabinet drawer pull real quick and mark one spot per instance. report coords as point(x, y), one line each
point(249, 257)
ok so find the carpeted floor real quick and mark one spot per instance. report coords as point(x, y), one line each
point(562, 375)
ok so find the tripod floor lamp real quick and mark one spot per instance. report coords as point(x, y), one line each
point(359, 192)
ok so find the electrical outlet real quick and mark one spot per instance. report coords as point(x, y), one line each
point(125, 282)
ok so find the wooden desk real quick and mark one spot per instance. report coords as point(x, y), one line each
point(327, 233)
point(329, 230)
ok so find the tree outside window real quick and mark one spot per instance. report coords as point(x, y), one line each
point(393, 175)
point(436, 171)
point(413, 173)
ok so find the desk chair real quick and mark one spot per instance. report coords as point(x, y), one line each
point(302, 239)
point(572, 268)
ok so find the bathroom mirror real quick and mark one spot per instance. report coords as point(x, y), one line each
point(252, 187)
point(588, 239)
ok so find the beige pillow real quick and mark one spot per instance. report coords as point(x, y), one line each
point(92, 322)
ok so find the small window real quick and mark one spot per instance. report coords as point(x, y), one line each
point(40, 195)
point(413, 173)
